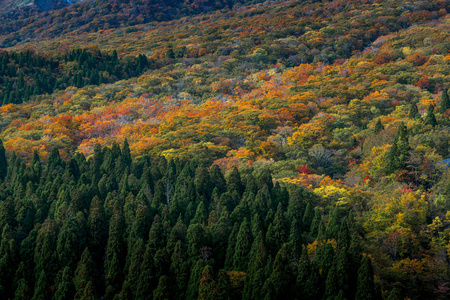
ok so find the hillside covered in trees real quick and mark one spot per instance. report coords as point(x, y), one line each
point(279, 150)
point(112, 226)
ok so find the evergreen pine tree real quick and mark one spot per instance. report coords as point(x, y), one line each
point(135, 268)
point(378, 127)
point(207, 289)
point(399, 152)
point(430, 118)
point(234, 182)
point(295, 241)
point(223, 286)
point(229, 258)
point(196, 239)
point(315, 222)
point(365, 286)
point(42, 288)
point(162, 292)
point(308, 217)
point(217, 179)
point(303, 272)
point(148, 279)
point(85, 273)
point(243, 246)
point(194, 280)
point(3, 162)
point(23, 290)
point(445, 101)
point(277, 233)
point(414, 111)
point(334, 224)
point(331, 283)
point(281, 277)
point(66, 288)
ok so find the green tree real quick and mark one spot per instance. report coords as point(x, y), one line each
point(378, 126)
point(196, 239)
point(85, 273)
point(66, 288)
point(334, 224)
point(331, 283)
point(243, 246)
point(194, 280)
point(282, 277)
point(42, 288)
point(3, 162)
point(277, 232)
point(365, 286)
point(399, 152)
point(162, 292)
point(217, 179)
point(445, 101)
point(135, 268)
point(207, 289)
point(414, 111)
point(115, 254)
point(308, 217)
point(430, 118)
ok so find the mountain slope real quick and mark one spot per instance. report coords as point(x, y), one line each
point(91, 16)
point(343, 103)
point(7, 6)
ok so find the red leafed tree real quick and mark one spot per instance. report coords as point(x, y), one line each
point(304, 169)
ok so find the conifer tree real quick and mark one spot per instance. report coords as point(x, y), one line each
point(430, 118)
point(326, 259)
point(162, 292)
point(66, 288)
point(313, 287)
point(223, 286)
point(229, 259)
point(343, 269)
point(303, 272)
point(315, 223)
point(308, 217)
point(334, 224)
point(296, 206)
point(115, 254)
point(414, 111)
point(217, 179)
point(148, 279)
point(207, 289)
point(86, 275)
point(243, 246)
point(194, 280)
point(179, 268)
point(344, 235)
point(331, 283)
point(445, 101)
point(294, 244)
point(282, 277)
point(42, 288)
point(201, 215)
point(97, 228)
point(277, 233)
point(365, 287)
point(399, 152)
point(196, 239)
point(135, 268)
point(23, 290)
point(234, 181)
point(378, 127)
point(3, 162)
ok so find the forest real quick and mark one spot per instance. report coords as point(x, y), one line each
point(113, 226)
point(266, 150)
